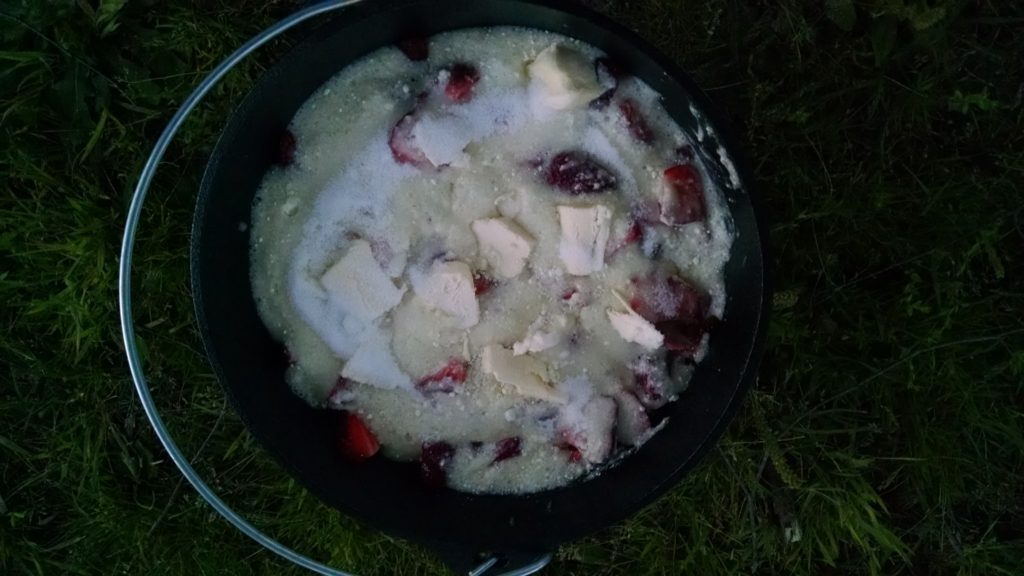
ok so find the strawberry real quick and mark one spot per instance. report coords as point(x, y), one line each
point(682, 336)
point(660, 297)
point(403, 146)
point(572, 453)
point(507, 448)
point(461, 79)
point(482, 283)
point(446, 379)
point(650, 380)
point(682, 196)
point(635, 121)
point(634, 234)
point(286, 148)
point(415, 48)
point(434, 460)
point(578, 173)
point(356, 441)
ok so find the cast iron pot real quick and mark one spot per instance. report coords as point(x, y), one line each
point(387, 495)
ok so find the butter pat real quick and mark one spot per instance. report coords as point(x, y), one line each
point(564, 77)
point(634, 327)
point(504, 244)
point(448, 286)
point(374, 364)
point(359, 286)
point(584, 237)
point(526, 374)
point(546, 332)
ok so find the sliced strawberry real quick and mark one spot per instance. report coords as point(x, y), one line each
point(566, 443)
point(660, 297)
point(356, 441)
point(635, 121)
point(682, 336)
point(632, 423)
point(286, 148)
point(381, 251)
point(634, 234)
point(415, 48)
point(460, 81)
point(682, 196)
point(341, 394)
point(482, 283)
point(507, 448)
point(434, 460)
point(403, 145)
point(578, 173)
point(447, 378)
point(650, 381)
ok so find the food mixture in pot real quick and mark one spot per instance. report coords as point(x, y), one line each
point(494, 252)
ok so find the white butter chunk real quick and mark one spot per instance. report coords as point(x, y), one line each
point(359, 286)
point(546, 332)
point(448, 286)
point(634, 327)
point(584, 237)
point(565, 78)
point(443, 138)
point(526, 374)
point(504, 244)
point(374, 364)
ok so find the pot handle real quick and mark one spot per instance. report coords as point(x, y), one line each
point(460, 561)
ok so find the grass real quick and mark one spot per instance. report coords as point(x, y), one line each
point(886, 433)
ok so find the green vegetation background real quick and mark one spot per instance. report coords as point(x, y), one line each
point(886, 433)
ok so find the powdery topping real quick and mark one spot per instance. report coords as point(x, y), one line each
point(463, 249)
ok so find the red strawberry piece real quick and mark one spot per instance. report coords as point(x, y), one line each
point(634, 234)
point(507, 448)
point(635, 121)
point(682, 196)
point(434, 460)
point(632, 423)
point(341, 394)
point(356, 441)
point(286, 148)
point(415, 48)
point(461, 80)
point(650, 380)
point(685, 153)
point(683, 336)
point(660, 297)
point(381, 251)
point(403, 145)
point(446, 379)
point(578, 173)
point(572, 453)
point(482, 283)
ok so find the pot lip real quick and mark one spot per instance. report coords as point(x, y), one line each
point(749, 357)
